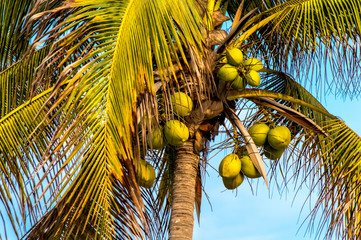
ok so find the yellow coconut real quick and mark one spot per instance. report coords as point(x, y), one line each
point(176, 132)
point(227, 73)
point(232, 183)
point(253, 64)
point(156, 139)
point(259, 133)
point(239, 83)
point(234, 56)
point(272, 153)
point(182, 104)
point(279, 137)
point(253, 78)
point(230, 166)
point(146, 174)
point(248, 169)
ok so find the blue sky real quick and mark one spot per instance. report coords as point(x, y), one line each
point(265, 215)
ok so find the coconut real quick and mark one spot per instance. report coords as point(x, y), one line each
point(146, 174)
point(279, 137)
point(272, 153)
point(253, 78)
point(230, 166)
point(248, 168)
point(234, 56)
point(239, 83)
point(232, 183)
point(253, 64)
point(176, 132)
point(227, 73)
point(182, 104)
point(155, 139)
point(259, 133)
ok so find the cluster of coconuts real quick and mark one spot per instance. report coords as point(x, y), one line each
point(174, 132)
point(274, 141)
point(234, 167)
point(240, 72)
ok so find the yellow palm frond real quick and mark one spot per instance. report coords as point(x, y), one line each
point(18, 156)
point(94, 103)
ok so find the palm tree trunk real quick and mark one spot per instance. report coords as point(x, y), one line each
point(185, 173)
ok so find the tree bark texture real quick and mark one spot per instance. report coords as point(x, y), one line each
point(185, 173)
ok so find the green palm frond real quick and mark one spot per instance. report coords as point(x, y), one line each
point(341, 157)
point(335, 25)
point(64, 221)
point(328, 164)
point(18, 156)
point(283, 83)
point(12, 14)
point(163, 200)
point(313, 36)
point(16, 81)
point(255, 93)
point(94, 101)
point(260, 5)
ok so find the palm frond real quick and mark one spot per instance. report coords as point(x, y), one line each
point(16, 81)
point(313, 36)
point(114, 54)
point(12, 14)
point(327, 165)
point(341, 168)
point(65, 220)
point(18, 157)
point(313, 32)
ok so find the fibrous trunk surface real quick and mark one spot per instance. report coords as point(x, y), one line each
point(186, 167)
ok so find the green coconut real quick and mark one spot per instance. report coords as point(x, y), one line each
point(234, 56)
point(279, 137)
point(230, 166)
point(156, 139)
point(259, 133)
point(253, 78)
point(253, 64)
point(272, 153)
point(239, 83)
point(232, 183)
point(176, 132)
point(227, 73)
point(182, 104)
point(146, 174)
point(248, 168)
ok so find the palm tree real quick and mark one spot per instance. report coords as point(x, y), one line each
point(91, 81)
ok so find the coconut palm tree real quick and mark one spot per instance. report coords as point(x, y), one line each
point(92, 82)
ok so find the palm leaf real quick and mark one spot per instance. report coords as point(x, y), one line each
point(311, 35)
point(18, 157)
point(16, 81)
point(94, 101)
point(12, 14)
point(335, 25)
point(328, 164)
